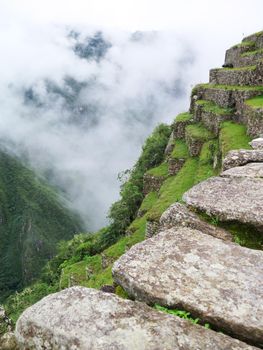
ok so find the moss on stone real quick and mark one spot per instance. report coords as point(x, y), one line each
point(247, 44)
point(209, 106)
point(230, 87)
point(233, 136)
point(252, 53)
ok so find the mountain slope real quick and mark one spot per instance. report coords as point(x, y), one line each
point(33, 219)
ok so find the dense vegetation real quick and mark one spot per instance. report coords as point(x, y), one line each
point(33, 219)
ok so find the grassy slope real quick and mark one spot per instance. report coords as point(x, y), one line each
point(33, 220)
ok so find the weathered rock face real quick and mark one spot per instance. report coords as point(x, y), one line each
point(178, 215)
point(218, 281)
point(175, 165)
point(229, 199)
point(152, 183)
point(257, 143)
point(242, 157)
point(83, 319)
point(152, 227)
point(254, 170)
point(250, 76)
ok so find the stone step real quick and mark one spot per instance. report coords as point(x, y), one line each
point(211, 115)
point(179, 215)
point(229, 199)
point(220, 282)
point(250, 76)
point(180, 123)
point(224, 96)
point(83, 319)
point(241, 157)
point(254, 170)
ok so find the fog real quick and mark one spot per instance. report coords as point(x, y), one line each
point(77, 101)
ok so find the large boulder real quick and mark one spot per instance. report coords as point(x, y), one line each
point(179, 215)
point(229, 199)
point(254, 170)
point(218, 281)
point(86, 319)
point(242, 157)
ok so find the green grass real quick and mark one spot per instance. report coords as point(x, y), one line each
point(148, 202)
point(256, 102)
point(199, 132)
point(184, 117)
point(212, 107)
point(206, 161)
point(229, 87)
point(239, 69)
point(100, 276)
point(180, 150)
point(248, 44)
point(173, 189)
point(161, 170)
point(233, 136)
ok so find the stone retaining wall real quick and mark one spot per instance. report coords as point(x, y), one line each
point(254, 120)
point(152, 183)
point(175, 165)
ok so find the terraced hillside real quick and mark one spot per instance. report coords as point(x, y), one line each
point(200, 225)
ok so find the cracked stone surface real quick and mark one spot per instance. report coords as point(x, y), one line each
point(179, 215)
point(218, 281)
point(229, 198)
point(254, 170)
point(87, 319)
point(242, 157)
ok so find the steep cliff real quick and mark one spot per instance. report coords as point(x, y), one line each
point(203, 256)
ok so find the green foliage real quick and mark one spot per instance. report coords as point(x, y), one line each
point(233, 136)
point(33, 219)
point(123, 212)
point(161, 170)
point(199, 132)
point(180, 313)
point(256, 102)
point(212, 107)
point(180, 150)
point(19, 301)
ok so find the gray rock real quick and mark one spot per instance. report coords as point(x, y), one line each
point(218, 281)
point(179, 215)
point(242, 157)
point(254, 170)
point(87, 319)
point(229, 198)
point(257, 143)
